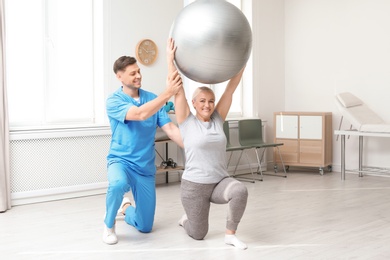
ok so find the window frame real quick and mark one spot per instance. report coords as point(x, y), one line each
point(96, 108)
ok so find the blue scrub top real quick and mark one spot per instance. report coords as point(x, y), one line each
point(133, 141)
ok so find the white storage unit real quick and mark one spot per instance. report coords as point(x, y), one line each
point(307, 139)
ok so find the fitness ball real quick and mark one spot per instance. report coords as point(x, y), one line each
point(213, 39)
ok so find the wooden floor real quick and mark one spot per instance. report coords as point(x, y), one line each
point(305, 216)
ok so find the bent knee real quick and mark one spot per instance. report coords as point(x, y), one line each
point(244, 191)
point(145, 229)
point(199, 234)
point(241, 190)
point(121, 186)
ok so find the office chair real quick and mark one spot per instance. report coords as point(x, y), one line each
point(231, 148)
point(250, 133)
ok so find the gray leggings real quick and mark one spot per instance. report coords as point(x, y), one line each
point(196, 198)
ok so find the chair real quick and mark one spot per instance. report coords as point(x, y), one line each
point(250, 133)
point(232, 148)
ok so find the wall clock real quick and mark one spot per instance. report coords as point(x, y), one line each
point(146, 51)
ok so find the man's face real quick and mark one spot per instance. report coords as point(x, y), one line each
point(130, 77)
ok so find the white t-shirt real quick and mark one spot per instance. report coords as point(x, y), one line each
point(204, 149)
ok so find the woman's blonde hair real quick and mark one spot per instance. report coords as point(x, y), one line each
point(201, 89)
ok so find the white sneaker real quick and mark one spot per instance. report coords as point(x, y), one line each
point(182, 220)
point(109, 236)
point(125, 201)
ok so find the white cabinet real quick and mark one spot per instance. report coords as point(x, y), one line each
point(287, 126)
point(310, 127)
point(307, 138)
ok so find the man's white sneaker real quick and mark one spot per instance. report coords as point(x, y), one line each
point(125, 201)
point(109, 236)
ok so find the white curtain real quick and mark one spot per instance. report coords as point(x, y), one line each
point(5, 194)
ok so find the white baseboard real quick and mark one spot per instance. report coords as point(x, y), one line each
point(37, 196)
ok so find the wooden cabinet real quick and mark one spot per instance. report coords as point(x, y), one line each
point(307, 139)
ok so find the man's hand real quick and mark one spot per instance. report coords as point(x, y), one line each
point(174, 83)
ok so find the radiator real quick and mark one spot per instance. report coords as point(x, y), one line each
point(57, 164)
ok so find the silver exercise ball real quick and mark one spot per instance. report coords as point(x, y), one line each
point(213, 39)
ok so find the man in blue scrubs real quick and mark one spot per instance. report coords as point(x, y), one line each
point(134, 115)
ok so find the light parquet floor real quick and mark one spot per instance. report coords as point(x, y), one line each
point(303, 216)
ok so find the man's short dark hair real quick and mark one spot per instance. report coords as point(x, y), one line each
point(122, 62)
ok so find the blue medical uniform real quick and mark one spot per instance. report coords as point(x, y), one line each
point(131, 160)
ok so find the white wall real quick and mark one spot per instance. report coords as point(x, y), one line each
point(132, 20)
point(268, 62)
point(333, 46)
point(268, 52)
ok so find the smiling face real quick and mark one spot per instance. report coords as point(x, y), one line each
point(204, 103)
point(130, 77)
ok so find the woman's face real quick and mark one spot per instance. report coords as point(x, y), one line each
point(204, 105)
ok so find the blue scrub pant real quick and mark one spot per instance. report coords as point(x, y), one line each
point(122, 179)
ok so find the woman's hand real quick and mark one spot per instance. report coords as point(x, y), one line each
point(171, 48)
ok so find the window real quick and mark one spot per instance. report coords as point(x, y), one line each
point(53, 62)
point(236, 108)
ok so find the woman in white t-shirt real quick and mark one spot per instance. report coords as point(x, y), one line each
point(205, 179)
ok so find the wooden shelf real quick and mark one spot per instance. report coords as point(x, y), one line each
point(169, 169)
point(163, 140)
